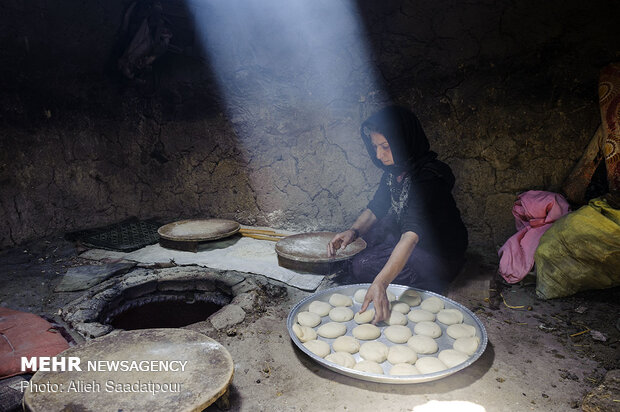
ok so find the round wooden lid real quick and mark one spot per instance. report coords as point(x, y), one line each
point(312, 247)
point(198, 230)
point(156, 369)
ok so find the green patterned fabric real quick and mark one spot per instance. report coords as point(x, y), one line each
point(581, 251)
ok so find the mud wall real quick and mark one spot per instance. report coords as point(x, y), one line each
point(506, 91)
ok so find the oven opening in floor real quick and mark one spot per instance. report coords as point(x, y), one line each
point(162, 312)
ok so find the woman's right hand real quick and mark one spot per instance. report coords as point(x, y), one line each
point(341, 240)
point(376, 294)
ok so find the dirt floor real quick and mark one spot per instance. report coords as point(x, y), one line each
point(541, 356)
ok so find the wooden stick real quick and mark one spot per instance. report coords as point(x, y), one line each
point(261, 231)
point(261, 237)
point(579, 333)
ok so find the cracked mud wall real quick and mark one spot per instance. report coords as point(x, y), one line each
point(506, 91)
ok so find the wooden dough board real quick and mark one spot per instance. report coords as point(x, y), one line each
point(188, 234)
point(312, 248)
point(206, 377)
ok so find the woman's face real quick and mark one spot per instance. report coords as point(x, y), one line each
point(381, 145)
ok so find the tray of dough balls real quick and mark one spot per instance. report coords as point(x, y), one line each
point(427, 337)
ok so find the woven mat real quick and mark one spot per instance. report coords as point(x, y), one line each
point(125, 236)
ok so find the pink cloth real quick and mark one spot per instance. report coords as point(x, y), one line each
point(534, 211)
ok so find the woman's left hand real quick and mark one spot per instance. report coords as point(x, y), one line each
point(376, 294)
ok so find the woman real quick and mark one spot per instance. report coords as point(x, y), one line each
point(412, 226)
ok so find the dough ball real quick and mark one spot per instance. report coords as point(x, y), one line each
point(401, 307)
point(366, 331)
point(460, 330)
point(374, 351)
point(397, 318)
point(359, 295)
point(341, 358)
point(338, 299)
point(364, 317)
point(368, 367)
point(401, 369)
point(422, 344)
point(318, 347)
point(427, 329)
point(432, 304)
point(310, 319)
point(421, 315)
point(401, 354)
point(341, 314)
point(319, 307)
point(452, 357)
point(410, 297)
point(450, 316)
point(468, 345)
point(430, 364)
point(346, 344)
point(332, 330)
point(391, 297)
point(304, 333)
point(397, 333)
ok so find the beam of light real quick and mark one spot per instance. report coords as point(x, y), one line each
point(316, 47)
point(285, 68)
point(449, 406)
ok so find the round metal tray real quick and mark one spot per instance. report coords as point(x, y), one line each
point(444, 341)
point(312, 248)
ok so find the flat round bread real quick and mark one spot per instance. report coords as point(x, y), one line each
point(346, 344)
point(430, 364)
point(374, 351)
point(410, 297)
point(422, 344)
point(365, 316)
point(421, 315)
point(318, 347)
point(304, 333)
point(338, 299)
point(460, 330)
point(397, 318)
point(401, 354)
point(402, 369)
point(452, 357)
point(427, 329)
point(401, 307)
point(432, 304)
point(309, 319)
point(450, 316)
point(369, 367)
point(397, 333)
point(359, 295)
point(332, 330)
point(341, 358)
point(468, 344)
point(320, 308)
point(341, 314)
point(366, 332)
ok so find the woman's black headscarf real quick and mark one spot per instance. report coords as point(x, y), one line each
point(404, 134)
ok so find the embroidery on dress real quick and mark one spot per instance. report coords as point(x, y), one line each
point(398, 200)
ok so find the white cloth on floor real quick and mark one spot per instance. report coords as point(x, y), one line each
point(243, 254)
